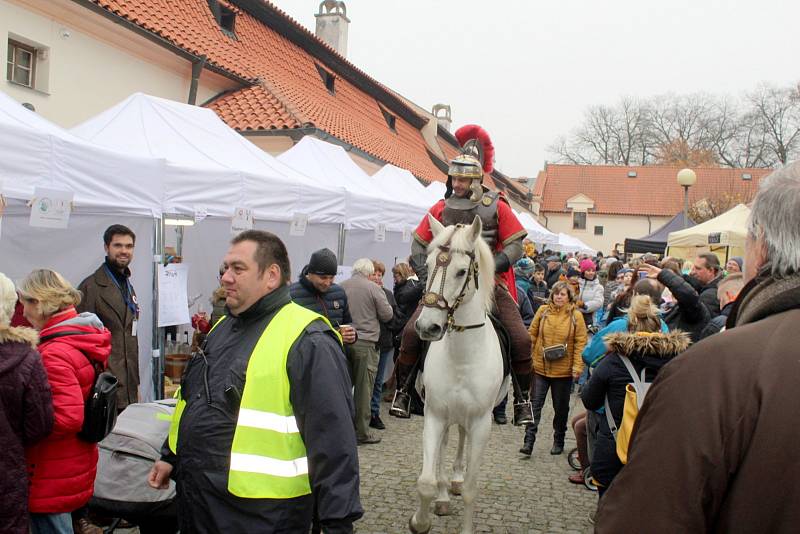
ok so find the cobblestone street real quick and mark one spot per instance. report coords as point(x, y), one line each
point(517, 496)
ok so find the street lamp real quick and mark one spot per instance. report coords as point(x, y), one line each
point(686, 179)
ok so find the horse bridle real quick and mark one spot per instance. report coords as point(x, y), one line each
point(437, 300)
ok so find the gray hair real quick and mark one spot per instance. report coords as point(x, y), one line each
point(364, 266)
point(775, 219)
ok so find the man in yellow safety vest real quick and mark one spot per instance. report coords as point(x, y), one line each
point(263, 437)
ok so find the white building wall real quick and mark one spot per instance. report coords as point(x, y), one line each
point(615, 228)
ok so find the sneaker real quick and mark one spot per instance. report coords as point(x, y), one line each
point(375, 422)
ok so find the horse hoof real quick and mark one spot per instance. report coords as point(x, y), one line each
point(414, 530)
point(455, 487)
point(442, 508)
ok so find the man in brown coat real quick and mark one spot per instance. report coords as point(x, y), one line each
point(109, 294)
point(715, 445)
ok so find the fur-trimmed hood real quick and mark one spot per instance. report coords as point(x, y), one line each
point(19, 334)
point(644, 345)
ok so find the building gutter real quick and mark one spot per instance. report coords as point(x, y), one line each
point(164, 43)
point(197, 69)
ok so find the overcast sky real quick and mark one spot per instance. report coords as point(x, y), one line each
point(527, 69)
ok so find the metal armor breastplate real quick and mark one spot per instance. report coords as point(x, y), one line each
point(463, 211)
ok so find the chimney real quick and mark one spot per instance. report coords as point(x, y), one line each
point(442, 114)
point(332, 25)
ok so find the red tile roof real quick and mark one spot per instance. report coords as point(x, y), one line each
point(654, 191)
point(290, 92)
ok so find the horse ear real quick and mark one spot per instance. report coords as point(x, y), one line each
point(476, 228)
point(436, 226)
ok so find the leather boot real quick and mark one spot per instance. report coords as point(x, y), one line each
point(527, 444)
point(401, 405)
point(523, 410)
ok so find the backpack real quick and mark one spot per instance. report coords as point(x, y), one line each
point(100, 408)
point(635, 393)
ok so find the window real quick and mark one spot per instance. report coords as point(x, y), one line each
point(21, 66)
point(328, 78)
point(579, 220)
point(227, 19)
point(389, 118)
point(598, 230)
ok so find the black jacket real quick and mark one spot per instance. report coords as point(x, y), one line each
point(323, 406)
point(709, 297)
point(689, 314)
point(611, 377)
point(385, 341)
point(407, 295)
point(332, 304)
point(715, 325)
point(551, 277)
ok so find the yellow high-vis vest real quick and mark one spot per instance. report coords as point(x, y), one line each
point(268, 456)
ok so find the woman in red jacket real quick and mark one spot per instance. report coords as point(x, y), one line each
point(63, 466)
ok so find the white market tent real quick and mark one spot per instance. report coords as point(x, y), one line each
point(536, 232)
point(402, 185)
point(368, 206)
point(108, 188)
point(213, 168)
point(436, 191)
point(724, 235)
point(568, 243)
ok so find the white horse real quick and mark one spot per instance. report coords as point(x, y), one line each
point(463, 375)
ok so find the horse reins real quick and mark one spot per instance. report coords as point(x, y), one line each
point(437, 300)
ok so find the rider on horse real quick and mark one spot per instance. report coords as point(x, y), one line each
point(465, 198)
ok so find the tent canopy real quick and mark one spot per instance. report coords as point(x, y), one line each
point(436, 191)
point(402, 185)
point(366, 204)
point(727, 231)
point(536, 232)
point(37, 153)
point(657, 241)
point(210, 166)
point(568, 243)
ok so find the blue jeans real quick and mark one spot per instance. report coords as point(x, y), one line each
point(375, 403)
point(51, 523)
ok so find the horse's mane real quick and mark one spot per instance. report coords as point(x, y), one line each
point(460, 240)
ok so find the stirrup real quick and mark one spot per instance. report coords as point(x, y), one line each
point(401, 405)
point(523, 413)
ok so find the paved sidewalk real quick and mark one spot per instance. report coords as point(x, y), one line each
point(516, 495)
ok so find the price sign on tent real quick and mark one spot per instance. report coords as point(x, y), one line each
point(50, 208)
point(200, 213)
point(407, 234)
point(173, 294)
point(242, 220)
point(380, 233)
point(298, 225)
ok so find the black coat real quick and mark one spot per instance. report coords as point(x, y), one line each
point(689, 314)
point(709, 297)
point(323, 406)
point(715, 325)
point(551, 277)
point(332, 304)
point(385, 342)
point(407, 295)
point(611, 377)
point(26, 416)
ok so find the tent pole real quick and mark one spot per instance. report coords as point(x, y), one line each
point(158, 341)
point(342, 238)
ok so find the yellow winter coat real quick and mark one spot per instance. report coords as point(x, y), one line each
point(557, 328)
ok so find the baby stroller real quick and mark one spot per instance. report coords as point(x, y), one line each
point(126, 456)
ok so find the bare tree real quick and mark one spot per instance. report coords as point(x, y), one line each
point(776, 111)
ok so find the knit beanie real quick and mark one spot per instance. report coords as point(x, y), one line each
point(572, 272)
point(524, 267)
point(323, 262)
point(586, 265)
point(8, 298)
point(739, 261)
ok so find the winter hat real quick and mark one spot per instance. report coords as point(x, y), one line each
point(524, 266)
point(323, 262)
point(8, 299)
point(573, 262)
point(572, 272)
point(739, 261)
point(553, 258)
point(586, 265)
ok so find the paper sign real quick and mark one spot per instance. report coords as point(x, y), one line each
point(50, 208)
point(173, 300)
point(407, 234)
point(380, 233)
point(242, 220)
point(298, 225)
point(343, 272)
point(200, 213)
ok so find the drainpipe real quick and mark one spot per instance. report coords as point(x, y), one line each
point(197, 69)
point(649, 226)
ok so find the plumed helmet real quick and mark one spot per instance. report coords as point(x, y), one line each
point(476, 157)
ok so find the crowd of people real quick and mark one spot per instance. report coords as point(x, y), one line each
point(289, 380)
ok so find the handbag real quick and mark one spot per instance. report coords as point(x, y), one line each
point(558, 351)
